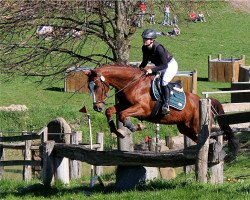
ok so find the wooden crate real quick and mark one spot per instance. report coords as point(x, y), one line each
point(244, 74)
point(75, 80)
point(240, 97)
point(224, 69)
point(189, 80)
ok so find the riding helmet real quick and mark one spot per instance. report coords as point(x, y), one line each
point(149, 34)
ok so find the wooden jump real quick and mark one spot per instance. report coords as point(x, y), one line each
point(201, 154)
point(175, 158)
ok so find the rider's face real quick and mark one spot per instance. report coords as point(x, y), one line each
point(148, 42)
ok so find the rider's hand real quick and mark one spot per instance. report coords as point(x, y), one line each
point(149, 71)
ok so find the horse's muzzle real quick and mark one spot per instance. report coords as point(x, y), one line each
point(99, 107)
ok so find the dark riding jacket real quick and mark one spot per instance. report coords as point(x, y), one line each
point(158, 55)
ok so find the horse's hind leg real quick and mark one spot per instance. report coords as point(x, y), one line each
point(187, 131)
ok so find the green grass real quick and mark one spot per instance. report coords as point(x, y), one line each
point(183, 187)
point(226, 32)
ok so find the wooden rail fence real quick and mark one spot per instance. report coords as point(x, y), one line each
point(197, 154)
point(24, 142)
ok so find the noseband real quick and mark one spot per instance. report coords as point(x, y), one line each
point(92, 85)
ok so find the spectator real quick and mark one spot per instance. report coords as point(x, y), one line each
point(45, 31)
point(193, 16)
point(175, 20)
point(175, 32)
point(143, 8)
point(152, 18)
point(201, 17)
point(166, 16)
point(135, 22)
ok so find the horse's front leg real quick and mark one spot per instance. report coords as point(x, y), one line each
point(109, 114)
point(133, 111)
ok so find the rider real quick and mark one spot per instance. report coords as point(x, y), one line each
point(163, 61)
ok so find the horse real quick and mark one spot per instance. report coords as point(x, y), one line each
point(134, 99)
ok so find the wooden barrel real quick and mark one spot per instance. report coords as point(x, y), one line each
point(75, 80)
point(224, 69)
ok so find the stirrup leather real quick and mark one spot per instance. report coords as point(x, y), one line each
point(165, 109)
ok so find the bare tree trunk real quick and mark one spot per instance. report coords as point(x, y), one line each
point(121, 55)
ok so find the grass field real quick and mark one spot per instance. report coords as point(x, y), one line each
point(226, 32)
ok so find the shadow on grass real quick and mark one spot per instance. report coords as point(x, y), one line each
point(56, 89)
point(202, 79)
point(39, 190)
point(224, 89)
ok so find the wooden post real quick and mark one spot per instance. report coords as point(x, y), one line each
point(99, 140)
point(126, 143)
point(194, 82)
point(169, 142)
point(27, 170)
point(48, 163)
point(203, 141)
point(59, 130)
point(1, 157)
point(217, 169)
point(62, 169)
point(219, 57)
point(44, 137)
point(187, 143)
point(234, 79)
point(209, 68)
point(76, 166)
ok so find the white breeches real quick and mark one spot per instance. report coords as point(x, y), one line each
point(170, 72)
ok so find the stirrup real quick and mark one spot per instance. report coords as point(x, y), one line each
point(165, 109)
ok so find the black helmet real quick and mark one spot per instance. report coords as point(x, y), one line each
point(149, 34)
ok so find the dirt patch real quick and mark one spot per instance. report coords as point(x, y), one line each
point(243, 5)
point(14, 108)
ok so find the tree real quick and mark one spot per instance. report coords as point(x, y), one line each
point(44, 38)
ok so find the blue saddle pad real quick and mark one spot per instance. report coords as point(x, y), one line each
point(177, 98)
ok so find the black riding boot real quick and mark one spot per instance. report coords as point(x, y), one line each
point(165, 97)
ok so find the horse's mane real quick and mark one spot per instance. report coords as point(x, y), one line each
point(118, 65)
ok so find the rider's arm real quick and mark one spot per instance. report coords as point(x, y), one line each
point(145, 58)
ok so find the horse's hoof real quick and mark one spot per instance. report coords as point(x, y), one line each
point(140, 127)
point(120, 133)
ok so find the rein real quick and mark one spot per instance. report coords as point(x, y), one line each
point(126, 86)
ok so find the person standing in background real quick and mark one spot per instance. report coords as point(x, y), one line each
point(166, 16)
point(143, 8)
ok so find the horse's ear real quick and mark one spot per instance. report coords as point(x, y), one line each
point(87, 72)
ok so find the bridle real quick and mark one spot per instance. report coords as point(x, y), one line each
point(92, 85)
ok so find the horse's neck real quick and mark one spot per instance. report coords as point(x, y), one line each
point(120, 78)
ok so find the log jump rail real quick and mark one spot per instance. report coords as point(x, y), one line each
point(175, 158)
point(201, 154)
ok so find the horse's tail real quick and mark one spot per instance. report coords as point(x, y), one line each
point(233, 144)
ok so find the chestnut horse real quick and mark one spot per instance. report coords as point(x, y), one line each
point(133, 92)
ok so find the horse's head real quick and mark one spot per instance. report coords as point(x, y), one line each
point(98, 88)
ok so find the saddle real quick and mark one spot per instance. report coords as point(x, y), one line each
point(177, 95)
